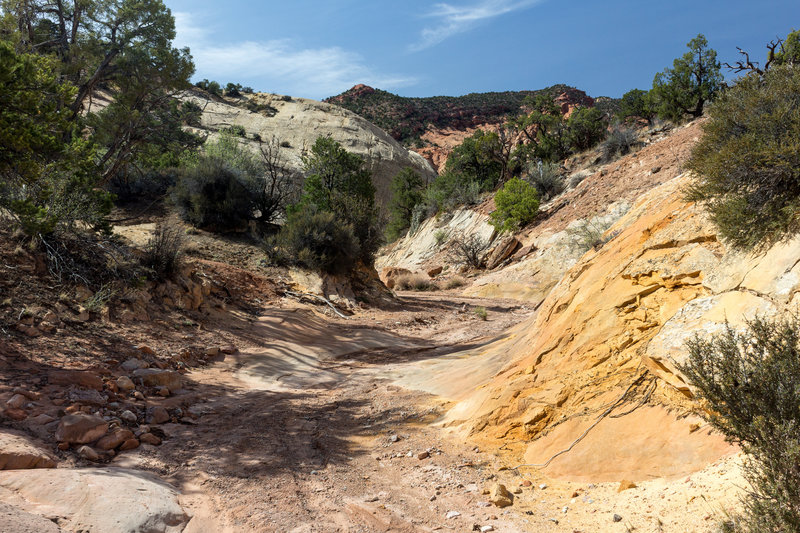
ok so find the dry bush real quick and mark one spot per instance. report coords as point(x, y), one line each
point(415, 282)
point(455, 283)
point(469, 250)
point(163, 253)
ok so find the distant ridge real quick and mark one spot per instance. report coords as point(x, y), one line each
point(407, 119)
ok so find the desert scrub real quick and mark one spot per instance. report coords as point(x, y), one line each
point(455, 283)
point(750, 381)
point(748, 161)
point(440, 236)
point(480, 312)
point(588, 234)
point(415, 282)
point(163, 253)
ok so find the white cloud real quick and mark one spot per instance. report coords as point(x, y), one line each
point(458, 19)
point(278, 65)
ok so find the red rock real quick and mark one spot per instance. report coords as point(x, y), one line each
point(18, 451)
point(81, 428)
point(15, 414)
point(149, 438)
point(17, 401)
point(80, 378)
point(114, 439)
point(130, 444)
point(435, 271)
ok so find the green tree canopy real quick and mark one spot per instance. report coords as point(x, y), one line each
point(46, 174)
point(586, 127)
point(748, 161)
point(407, 187)
point(339, 182)
point(693, 80)
point(636, 103)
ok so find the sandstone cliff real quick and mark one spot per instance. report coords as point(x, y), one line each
point(596, 371)
point(297, 122)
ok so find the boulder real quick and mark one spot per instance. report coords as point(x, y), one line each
point(97, 499)
point(18, 451)
point(81, 428)
point(389, 276)
point(435, 271)
point(502, 251)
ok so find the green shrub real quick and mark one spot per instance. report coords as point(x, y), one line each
point(163, 253)
point(235, 130)
point(748, 161)
point(517, 204)
point(751, 383)
point(440, 236)
point(213, 195)
point(480, 312)
point(318, 241)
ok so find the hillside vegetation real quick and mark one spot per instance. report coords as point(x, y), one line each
point(407, 119)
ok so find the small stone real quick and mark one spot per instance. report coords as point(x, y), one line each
point(138, 395)
point(133, 364)
point(423, 455)
point(114, 439)
point(63, 446)
point(158, 415)
point(230, 349)
point(88, 453)
point(500, 496)
point(655, 170)
point(15, 414)
point(543, 486)
point(130, 444)
point(17, 401)
point(616, 518)
point(163, 392)
point(128, 416)
point(370, 499)
point(42, 419)
point(625, 485)
point(212, 351)
point(149, 438)
point(124, 383)
point(526, 483)
point(485, 529)
point(145, 349)
point(452, 514)
point(394, 438)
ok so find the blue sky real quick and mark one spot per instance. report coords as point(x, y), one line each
point(315, 49)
